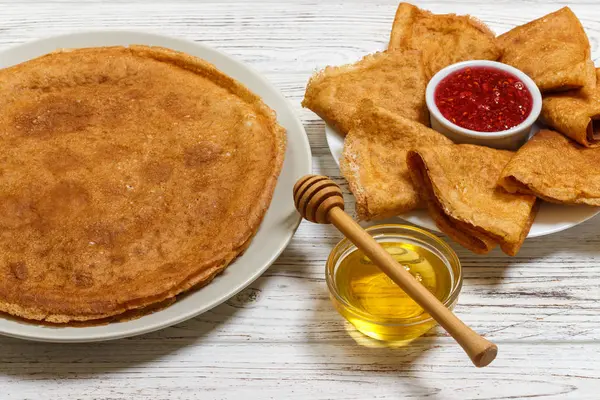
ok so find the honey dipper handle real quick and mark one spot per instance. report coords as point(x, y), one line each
point(481, 351)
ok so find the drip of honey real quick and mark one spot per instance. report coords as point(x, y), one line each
point(360, 283)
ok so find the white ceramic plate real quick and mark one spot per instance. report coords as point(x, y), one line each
point(551, 218)
point(274, 234)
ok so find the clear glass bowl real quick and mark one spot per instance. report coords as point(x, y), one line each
point(398, 330)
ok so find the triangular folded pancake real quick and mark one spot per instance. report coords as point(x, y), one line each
point(553, 50)
point(393, 80)
point(555, 169)
point(458, 183)
point(443, 39)
point(576, 113)
point(374, 161)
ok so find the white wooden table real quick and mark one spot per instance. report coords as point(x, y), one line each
point(281, 338)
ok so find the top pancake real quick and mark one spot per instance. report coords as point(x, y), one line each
point(553, 50)
point(556, 169)
point(128, 175)
point(576, 113)
point(374, 161)
point(393, 80)
point(443, 39)
point(458, 183)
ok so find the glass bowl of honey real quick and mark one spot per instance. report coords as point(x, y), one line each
point(372, 302)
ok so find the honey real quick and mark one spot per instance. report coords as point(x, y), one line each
point(374, 304)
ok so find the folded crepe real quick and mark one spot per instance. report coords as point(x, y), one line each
point(555, 169)
point(458, 183)
point(576, 113)
point(374, 161)
point(553, 50)
point(443, 39)
point(394, 80)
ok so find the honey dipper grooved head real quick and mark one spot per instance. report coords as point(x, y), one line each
point(315, 196)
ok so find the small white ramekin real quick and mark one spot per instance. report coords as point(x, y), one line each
point(510, 139)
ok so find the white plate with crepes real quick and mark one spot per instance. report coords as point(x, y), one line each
point(275, 232)
point(551, 218)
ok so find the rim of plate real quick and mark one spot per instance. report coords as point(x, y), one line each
point(282, 215)
point(421, 218)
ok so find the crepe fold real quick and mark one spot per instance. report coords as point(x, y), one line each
point(374, 161)
point(443, 39)
point(576, 113)
point(393, 80)
point(555, 169)
point(553, 50)
point(458, 183)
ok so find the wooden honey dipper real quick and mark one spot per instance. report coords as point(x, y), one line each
point(320, 200)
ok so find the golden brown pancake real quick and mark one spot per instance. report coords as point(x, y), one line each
point(374, 161)
point(553, 50)
point(555, 169)
point(127, 176)
point(393, 80)
point(576, 113)
point(458, 183)
point(443, 39)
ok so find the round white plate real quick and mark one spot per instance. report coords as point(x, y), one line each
point(274, 234)
point(551, 218)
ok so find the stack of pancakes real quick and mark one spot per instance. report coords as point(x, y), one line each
point(127, 176)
